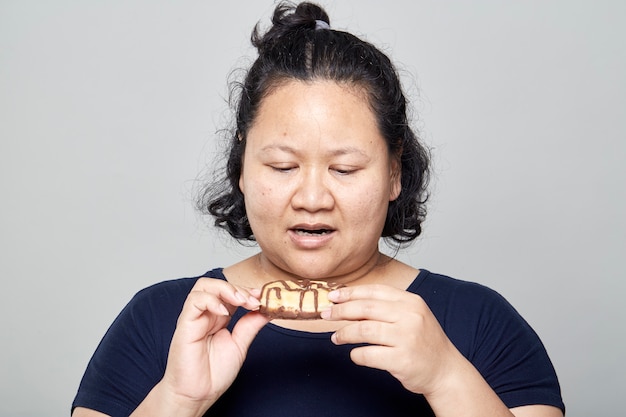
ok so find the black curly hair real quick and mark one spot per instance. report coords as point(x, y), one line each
point(301, 46)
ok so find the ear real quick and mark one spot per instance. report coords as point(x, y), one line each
point(241, 187)
point(395, 178)
point(241, 182)
point(240, 143)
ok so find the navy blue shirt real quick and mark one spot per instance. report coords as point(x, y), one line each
point(296, 373)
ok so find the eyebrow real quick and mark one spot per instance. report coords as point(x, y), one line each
point(346, 150)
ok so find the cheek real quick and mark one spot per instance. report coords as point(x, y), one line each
point(369, 206)
point(260, 199)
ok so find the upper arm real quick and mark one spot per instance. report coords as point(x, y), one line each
point(132, 356)
point(86, 412)
point(537, 411)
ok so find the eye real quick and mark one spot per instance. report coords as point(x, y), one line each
point(283, 167)
point(344, 170)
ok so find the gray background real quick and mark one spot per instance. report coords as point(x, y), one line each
point(108, 118)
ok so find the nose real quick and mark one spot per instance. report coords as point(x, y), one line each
point(312, 192)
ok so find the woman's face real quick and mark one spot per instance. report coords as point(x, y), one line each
point(317, 179)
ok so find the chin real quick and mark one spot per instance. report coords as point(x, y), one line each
point(318, 272)
point(319, 266)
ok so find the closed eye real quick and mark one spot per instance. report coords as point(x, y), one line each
point(283, 167)
point(344, 170)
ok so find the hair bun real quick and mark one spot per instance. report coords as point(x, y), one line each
point(289, 18)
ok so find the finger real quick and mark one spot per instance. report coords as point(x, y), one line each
point(247, 328)
point(379, 357)
point(202, 314)
point(255, 292)
point(399, 365)
point(236, 295)
point(367, 331)
point(231, 295)
point(365, 309)
point(362, 292)
point(247, 298)
point(199, 303)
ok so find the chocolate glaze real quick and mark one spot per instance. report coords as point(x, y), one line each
point(302, 287)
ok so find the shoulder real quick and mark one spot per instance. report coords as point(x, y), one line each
point(174, 289)
point(492, 335)
point(437, 289)
point(163, 301)
point(470, 313)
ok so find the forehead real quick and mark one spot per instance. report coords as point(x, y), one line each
point(354, 89)
point(325, 108)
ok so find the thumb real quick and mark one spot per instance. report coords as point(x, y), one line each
point(247, 328)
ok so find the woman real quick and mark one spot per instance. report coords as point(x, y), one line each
point(322, 164)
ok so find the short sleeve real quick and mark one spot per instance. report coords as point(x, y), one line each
point(512, 358)
point(496, 339)
point(131, 358)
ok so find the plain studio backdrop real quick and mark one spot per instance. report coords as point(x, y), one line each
point(109, 119)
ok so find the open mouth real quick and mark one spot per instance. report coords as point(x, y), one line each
point(312, 229)
point(312, 232)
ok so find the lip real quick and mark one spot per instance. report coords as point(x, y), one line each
point(308, 236)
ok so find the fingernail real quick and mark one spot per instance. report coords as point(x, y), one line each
point(253, 301)
point(240, 297)
point(325, 314)
point(333, 295)
point(224, 310)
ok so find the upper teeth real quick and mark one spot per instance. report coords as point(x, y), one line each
point(312, 232)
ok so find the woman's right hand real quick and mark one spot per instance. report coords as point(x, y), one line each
point(205, 357)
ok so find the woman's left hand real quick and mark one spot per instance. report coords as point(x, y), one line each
point(402, 335)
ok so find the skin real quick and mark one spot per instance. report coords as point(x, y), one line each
point(315, 160)
point(317, 163)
